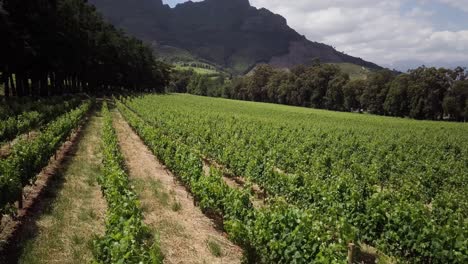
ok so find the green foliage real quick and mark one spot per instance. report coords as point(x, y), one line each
point(286, 234)
point(355, 72)
point(42, 112)
point(30, 156)
point(331, 178)
point(243, 224)
point(189, 81)
point(198, 68)
point(396, 102)
point(64, 46)
point(215, 248)
point(373, 97)
point(352, 93)
point(455, 102)
point(127, 239)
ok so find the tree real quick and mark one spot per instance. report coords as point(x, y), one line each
point(257, 86)
point(198, 85)
point(427, 91)
point(455, 101)
point(316, 80)
point(180, 81)
point(375, 92)
point(64, 46)
point(334, 98)
point(396, 102)
point(278, 87)
point(352, 93)
point(465, 112)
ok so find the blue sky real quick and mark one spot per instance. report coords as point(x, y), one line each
point(444, 16)
point(393, 33)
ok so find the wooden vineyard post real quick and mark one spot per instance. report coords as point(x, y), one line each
point(350, 253)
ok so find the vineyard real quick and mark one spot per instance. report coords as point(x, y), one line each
point(283, 184)
point(124, 222)
point(212, 132)
point(29, 156)
point(330, 178)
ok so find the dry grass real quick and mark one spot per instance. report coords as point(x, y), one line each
point(76, 210)
point(368, 254)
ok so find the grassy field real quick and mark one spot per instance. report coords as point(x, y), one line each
point(391, 184)
point(198, 70)
point(355, 71)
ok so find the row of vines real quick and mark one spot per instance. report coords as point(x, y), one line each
point(29, 157)
point(280, 233)
point(332, 178)
point(16, 105)
point(127, 239)
point(40, 113)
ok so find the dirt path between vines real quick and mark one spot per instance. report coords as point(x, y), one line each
point(73, 210)
point(186, 234)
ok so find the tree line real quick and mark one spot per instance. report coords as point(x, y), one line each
point(422, 93)
point(53, 47)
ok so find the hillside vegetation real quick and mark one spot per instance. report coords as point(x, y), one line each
point(354, 71)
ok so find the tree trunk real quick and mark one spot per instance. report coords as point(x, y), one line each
point(66, 86)
point(26, 88)
point(6, 79)
point(35, 86)
point(53, 84)
point(44, 85)
point(12, 86)
point(20, 85)
point(72, 84)
point(58, 77)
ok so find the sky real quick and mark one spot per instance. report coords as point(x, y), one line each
point(397, 34)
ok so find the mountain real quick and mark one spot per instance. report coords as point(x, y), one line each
point(228, 33)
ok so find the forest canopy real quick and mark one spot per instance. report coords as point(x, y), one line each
point(52, 47)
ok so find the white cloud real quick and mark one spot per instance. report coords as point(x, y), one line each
point(460, 4)
point(378, 31)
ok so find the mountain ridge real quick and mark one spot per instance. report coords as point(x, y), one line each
point(229, 33)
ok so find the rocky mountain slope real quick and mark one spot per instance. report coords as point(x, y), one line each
point(229, 33)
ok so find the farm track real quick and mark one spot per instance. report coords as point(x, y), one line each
point(70, 209)
point(185, 232)
point(13, 229)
